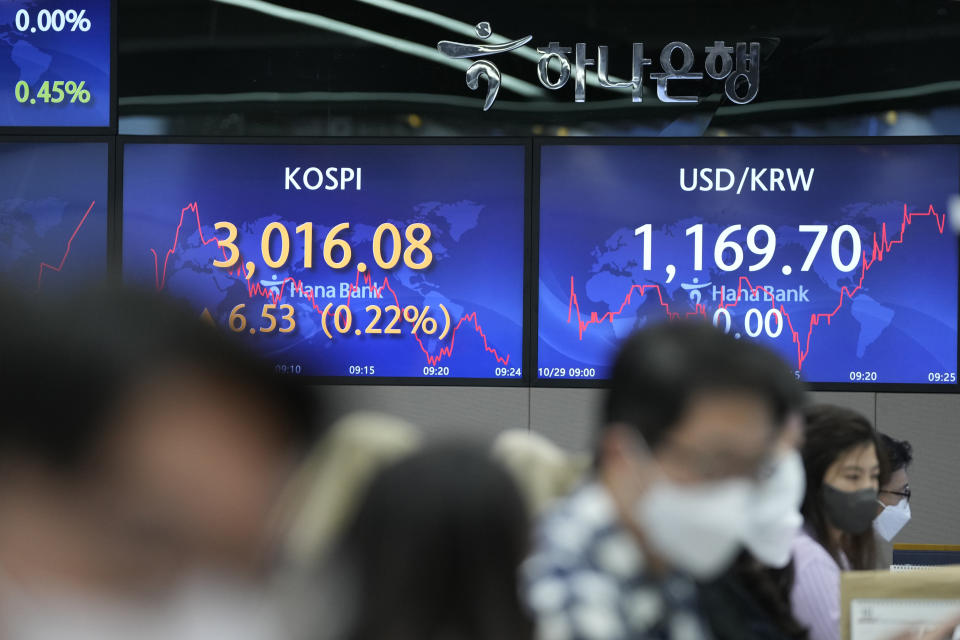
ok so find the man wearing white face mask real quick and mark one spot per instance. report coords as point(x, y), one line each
point(691, 420)
point(894, 496)
point(752, 599)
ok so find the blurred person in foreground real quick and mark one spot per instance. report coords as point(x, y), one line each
point(140, 456)
point(332, 480)
point(894, 508)
point(752, 598)
point(543, 471)
point(434, 550)
point(844, 471)
point(692, 419)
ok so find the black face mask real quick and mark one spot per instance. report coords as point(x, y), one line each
point(850, 511)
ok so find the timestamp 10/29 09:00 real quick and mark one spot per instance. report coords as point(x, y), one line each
point(567, 372)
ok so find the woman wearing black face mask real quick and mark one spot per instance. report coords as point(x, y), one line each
point(844, 474)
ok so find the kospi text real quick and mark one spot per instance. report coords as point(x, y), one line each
point(316, 178)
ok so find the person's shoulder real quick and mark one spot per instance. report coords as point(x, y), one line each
point(573, 533)
point(575, 521)
point(809, 554)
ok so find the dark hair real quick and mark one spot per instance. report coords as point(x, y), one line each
point(899, 453)
point(751, 600)
point(661, 369)
point(831, 432)
point(772, 587)
point(69, 363)
point(435, 549)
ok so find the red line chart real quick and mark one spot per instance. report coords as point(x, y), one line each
point(255, 289)
point(879, 248)
point(66, 253)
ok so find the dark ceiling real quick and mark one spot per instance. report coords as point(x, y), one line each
point(823, 62)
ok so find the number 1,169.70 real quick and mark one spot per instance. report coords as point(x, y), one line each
point(761, 240)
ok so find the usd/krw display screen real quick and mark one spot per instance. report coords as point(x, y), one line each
point(53, 215)
point(362, 261)
point(55, 63)
point(837, 256)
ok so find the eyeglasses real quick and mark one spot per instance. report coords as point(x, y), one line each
point(906, 493)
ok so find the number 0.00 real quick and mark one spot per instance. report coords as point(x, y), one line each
point(763, 323)
point(755, 322)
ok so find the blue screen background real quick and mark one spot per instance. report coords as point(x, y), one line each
point(899, 327)
point(472, 198)
point(46, 190)
point(50, 56)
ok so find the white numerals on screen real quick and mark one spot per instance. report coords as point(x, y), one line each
point(755, 322)
point(761, 241)
point(724, 245)
point(645, 232)
point(766, 250)
point(821, 230)
point(835, 248)
point(697, 232)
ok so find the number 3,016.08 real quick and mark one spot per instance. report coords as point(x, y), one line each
point(417, 255)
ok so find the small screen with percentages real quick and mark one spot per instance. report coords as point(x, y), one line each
point(53, 215)
point(838, 256)
point(354, 261)
point(55, 63)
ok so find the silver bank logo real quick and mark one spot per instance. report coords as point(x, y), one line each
point(738, 67)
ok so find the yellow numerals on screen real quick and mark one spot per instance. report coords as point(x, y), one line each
point(388, 246)
point(284, 323)
point(228, 245)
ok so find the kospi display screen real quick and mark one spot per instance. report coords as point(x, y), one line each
point(53, 215)
point(839, 256)
point(362, 261)
point(55, 63)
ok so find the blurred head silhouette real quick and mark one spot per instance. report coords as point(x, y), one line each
point(543, 471)
point(329, 485)
point(435, 548)
point(692, 421)
point(139, 445)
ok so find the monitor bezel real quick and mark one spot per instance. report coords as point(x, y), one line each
point(525, 143)
point(867, 387)
point(110, 129)
point(111, 175)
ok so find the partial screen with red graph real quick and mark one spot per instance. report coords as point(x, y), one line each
point(838, 256)
point(359, 261)
point(53, 215)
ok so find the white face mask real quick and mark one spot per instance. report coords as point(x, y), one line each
point(892, 519)
point(696, 528)
point(774, 516)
